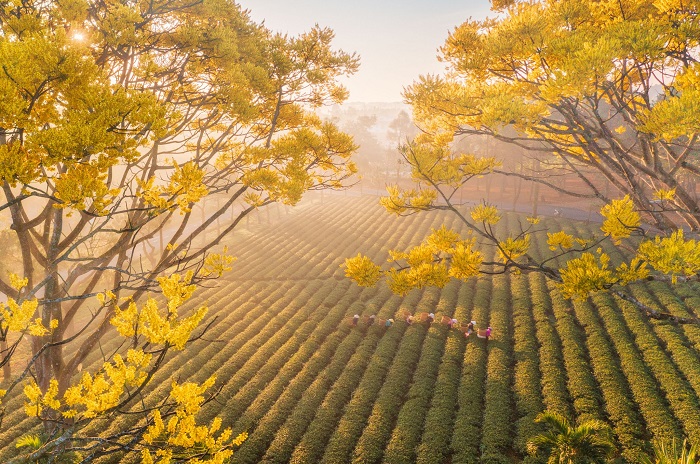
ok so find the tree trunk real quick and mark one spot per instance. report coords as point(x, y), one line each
point(50, 361)
point(535, 191)
point(7, 368)
point(518, 189)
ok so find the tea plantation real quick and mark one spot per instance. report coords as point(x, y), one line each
point(311, 388)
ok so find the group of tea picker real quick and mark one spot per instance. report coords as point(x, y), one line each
point(467, 329)
point(371, 320)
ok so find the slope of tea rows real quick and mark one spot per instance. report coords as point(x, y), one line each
point(310, 388)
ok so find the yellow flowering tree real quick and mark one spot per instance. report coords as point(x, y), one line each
point(165, 432)
point(444, 254)
point(134, 137)
point(609, 88)
point(605, 92)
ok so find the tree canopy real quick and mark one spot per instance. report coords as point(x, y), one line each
point(116, 118)
point(603, 91)
point(606, 87)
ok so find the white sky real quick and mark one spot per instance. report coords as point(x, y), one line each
point(397, 40)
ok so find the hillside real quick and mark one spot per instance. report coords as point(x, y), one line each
point(310, 388)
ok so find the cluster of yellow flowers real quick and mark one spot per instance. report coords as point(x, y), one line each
point(83, 183)
point(672, 255)
point(620, 219)
point(665, 194)
point(184, 188)
point(399, 201)
point(466, 261)
point(103, 391)
point(38, 401)
point(187, 186)
point(362, 270)
point(585, 275)
point(182, 431)
point(98, 393)
point(513, 248)
point(487, 214)
point(444, 255)
point(93, 395)
point(427, 263)
point(153, 195)
point(161, 329)
point(217, 263)
point(17, 317)
point(16, 282)
point(559, 240)
point(442, 239)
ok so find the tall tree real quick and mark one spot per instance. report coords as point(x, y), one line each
point(610, 88)
point(119, 116)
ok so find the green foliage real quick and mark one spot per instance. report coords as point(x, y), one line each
point(34, 442)
point(527, 380)
point(30, 441)
point(673, 453)
point(588, 442)
point(306, 384)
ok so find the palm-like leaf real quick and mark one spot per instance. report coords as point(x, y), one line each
point(673, 454)
point(588, 443)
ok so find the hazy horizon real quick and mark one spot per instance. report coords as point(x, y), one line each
point(396, 41)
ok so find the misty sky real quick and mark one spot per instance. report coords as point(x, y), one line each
point(396, 39)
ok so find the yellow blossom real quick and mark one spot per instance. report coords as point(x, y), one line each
point(442, 239)
point(429, 274)
point(126, 320)
point(399, 282)
point(146, 457)
point(585, 275)
point(33, 406)
point(362, 270)
point(672, 255)
point(559, 240)
point(186, 184)
point(486, 214)
point(17, 317)
point(16, 282)
point(37, 328)
point(50, 399)
point(155, 429)
point(665, 195)
point(177, 291)
point(103, 297)
point(512, 249)
point(182, 433)
point(217, 263)
point(240, 439)
point(399, 201)
point(636, 270)
point(421, 254)
point(465, 261)
point(620, 218)
point(153, 195)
